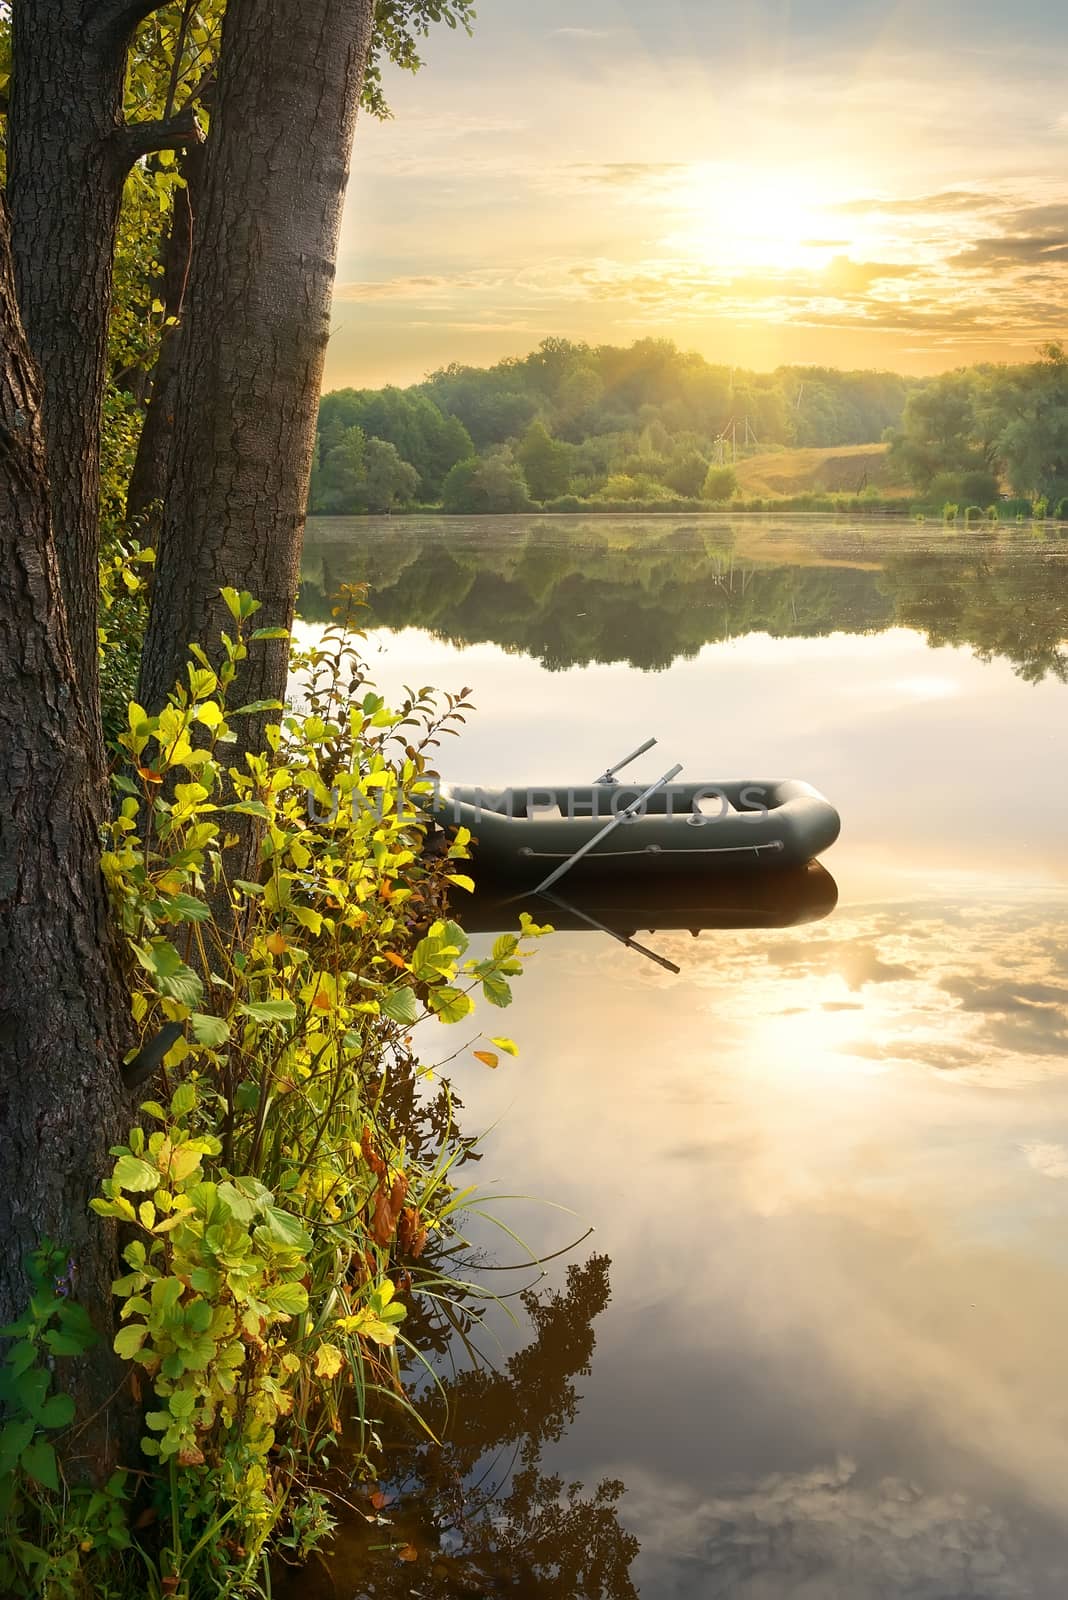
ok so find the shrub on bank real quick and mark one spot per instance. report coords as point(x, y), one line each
point(284, 929)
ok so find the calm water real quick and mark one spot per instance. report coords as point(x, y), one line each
point(827, 1164)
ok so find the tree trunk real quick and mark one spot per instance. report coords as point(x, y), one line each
point(64, 190)
point(148, 481)
point(62, 1007)
point(255, 331)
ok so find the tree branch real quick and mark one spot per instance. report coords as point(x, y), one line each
point(115, 20)
point(139, 139)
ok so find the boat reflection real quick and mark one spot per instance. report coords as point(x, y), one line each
point(624, 905)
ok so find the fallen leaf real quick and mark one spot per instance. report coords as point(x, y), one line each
point(408, 1553)
point(490, 1059)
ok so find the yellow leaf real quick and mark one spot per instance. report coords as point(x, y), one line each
point(488, 1057)
point(328, 1361)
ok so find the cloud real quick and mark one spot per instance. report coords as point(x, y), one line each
point(1051, 1160)
point(948, 200)
point(581, 33)
point(857, 962)
point(1011, 251)
point(843, 276)
point(625, 173)
point(823, 1531)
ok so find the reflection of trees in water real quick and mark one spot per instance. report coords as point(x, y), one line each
point(998, 606)
point(632, 596)
point(477, 1515)
point(628, 592)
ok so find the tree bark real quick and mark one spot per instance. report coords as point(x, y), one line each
point(68, 155)
point(62, 1007)
point(255, 331)
point(64, 189)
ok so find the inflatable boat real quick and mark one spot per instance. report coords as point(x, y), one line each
point(613, 828)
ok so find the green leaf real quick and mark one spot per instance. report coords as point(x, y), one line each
point(14, 1437)
point(57, 1411)
point(173, 978)
point(39, 1462)
point(134, 1174)
point(186, 908)
point(183, 1099)
point(288, 1297)
point(455, 935)
point(210, 1031)
point(496, 990)
point(505, 945)
point(451, 1005)
point(271, 633)
point(271, 1011)
point(129, 1340)
point(63, 1344)
point(21, 1356)
point(400, 1005)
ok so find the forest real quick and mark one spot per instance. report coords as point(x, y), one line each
point(573, 427)
point(571, 424)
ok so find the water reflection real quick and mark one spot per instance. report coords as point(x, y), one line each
point(828, 1157)
point(649, 591)
point(479, 1515)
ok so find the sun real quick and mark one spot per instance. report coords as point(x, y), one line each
point(745, 219)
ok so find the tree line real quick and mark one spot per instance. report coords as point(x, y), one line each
point(967, 437)
point(572, 423)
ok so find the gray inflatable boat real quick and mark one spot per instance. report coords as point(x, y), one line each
point(543, 832)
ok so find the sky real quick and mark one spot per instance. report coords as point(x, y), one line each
point(824, 181)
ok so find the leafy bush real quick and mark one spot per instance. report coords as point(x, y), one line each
point(720, 483)
point(286, 929)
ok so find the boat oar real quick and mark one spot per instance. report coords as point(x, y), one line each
point(624, 816)
point(631, 944)
point(609, 774)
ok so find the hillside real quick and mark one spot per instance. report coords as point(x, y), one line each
point(845, 469)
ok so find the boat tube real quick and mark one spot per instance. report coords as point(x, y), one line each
point(620, 828)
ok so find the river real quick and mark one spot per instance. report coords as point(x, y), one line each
point(814, 1346)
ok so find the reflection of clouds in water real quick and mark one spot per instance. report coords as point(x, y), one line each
point(977, 991)
point(855, 961)
point(1049, 1159)
point(827, 1535)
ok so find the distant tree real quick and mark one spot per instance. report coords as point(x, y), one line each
point(340, 477)
point(387, 480)
point(1029, 408)
point(720, 483)
point(546, 463)
point(492, 483)
point(942, 432)
point(431, 442)
point(687, 473)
